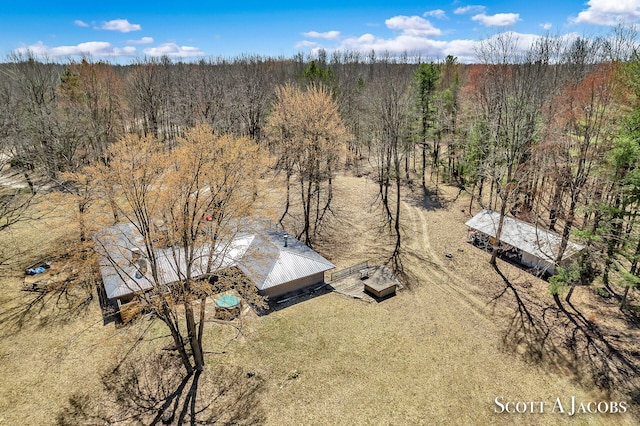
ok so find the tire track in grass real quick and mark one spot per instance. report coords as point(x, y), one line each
point(445, 280)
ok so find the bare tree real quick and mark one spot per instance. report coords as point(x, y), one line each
point(309, 135)
point(208, 90)
point(187, 205)
point(583, 118)
point(254, 85)
point(98, 92)
point(147, 97)
point(391, 105)
point(38, 140)
point(510, 95)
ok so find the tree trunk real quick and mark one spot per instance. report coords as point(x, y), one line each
point(177, 337)
point(396, 251)
point(624, 297)
point(496, 242)
point(568, 298)
point(424, 164)
point(473, 191)
point(287, 200)
point(316, 219)
point(27, 177)
point(203, 304)
point(198, 357)
point(566, 230)
point(555, 205)
point(306, 204)
point(480, 187)
point(612, 240)
point(406, 167)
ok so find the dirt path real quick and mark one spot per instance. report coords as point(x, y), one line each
point(439, 276)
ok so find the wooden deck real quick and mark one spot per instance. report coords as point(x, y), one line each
point(377, 278)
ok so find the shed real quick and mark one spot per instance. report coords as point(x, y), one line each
point(528, 244)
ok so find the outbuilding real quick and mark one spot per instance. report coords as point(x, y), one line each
point(520, 241)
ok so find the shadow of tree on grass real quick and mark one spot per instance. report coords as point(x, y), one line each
point(58, 305)
point(154, 390)
point(566, 339)
point(64, 292)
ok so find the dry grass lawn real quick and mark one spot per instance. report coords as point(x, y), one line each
point(434, 354)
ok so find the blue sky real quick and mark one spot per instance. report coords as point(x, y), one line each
point(120, 30)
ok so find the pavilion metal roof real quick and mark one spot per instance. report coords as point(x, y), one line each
point(523, 236)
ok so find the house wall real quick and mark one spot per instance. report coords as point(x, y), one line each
point(296, 285)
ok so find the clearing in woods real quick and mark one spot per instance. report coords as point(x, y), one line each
point(439, 352)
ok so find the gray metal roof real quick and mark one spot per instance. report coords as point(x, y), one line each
point(260, 255)
point(522, 235)
point(115, 245)
point(268, 263)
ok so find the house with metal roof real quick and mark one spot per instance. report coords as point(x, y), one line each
point(278, 264)
point(125, 270)
point(521, 241)
point(274, 261)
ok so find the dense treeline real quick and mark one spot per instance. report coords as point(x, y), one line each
point(549, 134)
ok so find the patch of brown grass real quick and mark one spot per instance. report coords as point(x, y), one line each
point(429, 355)
point(434, 354)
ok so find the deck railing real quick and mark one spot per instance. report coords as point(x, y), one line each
point(350, 270)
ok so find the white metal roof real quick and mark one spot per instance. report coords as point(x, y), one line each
point(261, 256)
point(172, 264)
point(116, 243)
point(269, 263)
point(522, 235)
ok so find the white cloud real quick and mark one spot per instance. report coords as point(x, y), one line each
point(306, 44)
point(438, 14)
point(546, 26)
point(400, 44)
point(610, 12)
point(143, 40)
point(469, 9)
point(174, 51)
point(121, 25)
point(80, 23)
point(412, 26)
point(91, 48)
point(329, 35)
point(415, 36)
point(464, 50)
point(497, 20)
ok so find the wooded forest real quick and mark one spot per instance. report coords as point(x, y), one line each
point(548, 134)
